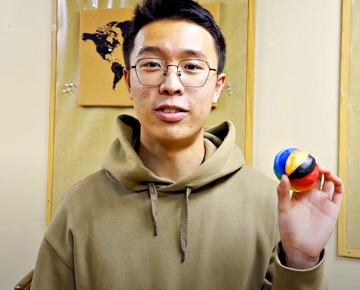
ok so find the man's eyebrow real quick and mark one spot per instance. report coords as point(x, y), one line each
point(194, 53)
point(186, 52)
point(149, 49)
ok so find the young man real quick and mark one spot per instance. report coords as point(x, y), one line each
point(175, 207)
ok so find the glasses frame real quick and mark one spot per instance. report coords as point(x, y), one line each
point(178, 72)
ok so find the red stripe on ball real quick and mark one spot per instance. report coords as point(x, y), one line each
point(307, 182)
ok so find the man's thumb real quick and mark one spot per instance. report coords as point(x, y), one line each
point(284, 201)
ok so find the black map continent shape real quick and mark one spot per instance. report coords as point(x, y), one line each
point(106, 40)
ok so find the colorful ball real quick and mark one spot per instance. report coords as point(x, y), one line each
point(299, 166)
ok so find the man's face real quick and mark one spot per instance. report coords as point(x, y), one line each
point(170, 111)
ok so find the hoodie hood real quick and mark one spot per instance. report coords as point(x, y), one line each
point(222, 157)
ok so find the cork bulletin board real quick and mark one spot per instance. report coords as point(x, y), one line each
point(349, 137)
point(82, 125)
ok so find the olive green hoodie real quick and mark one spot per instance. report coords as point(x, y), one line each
point(126, 228)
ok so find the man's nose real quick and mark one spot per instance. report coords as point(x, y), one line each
point(172, 84)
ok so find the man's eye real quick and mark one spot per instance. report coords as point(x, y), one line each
point(151, 65)
point(192, 67)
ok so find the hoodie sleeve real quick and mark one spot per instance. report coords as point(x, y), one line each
point(280, 277)
point(51, 272)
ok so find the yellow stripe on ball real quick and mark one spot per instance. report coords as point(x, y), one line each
point(295, 159)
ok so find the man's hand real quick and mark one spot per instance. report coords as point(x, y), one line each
point(307, 219)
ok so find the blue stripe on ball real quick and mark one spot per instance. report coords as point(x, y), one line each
point(280, 161)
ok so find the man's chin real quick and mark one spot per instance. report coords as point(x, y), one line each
point(177, 138)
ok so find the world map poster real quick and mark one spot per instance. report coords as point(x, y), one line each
point(101, 61)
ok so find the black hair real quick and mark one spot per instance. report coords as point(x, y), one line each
point(188, 10)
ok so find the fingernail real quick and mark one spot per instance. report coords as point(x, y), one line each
point(282, 180)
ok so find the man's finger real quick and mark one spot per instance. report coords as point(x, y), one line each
point(328, 188)
point(319, 183)
point(323, 169)
point(284, 201)
point(334, 179)
point(337, 198)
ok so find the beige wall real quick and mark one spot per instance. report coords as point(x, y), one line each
point(24, 90)
point(296, 103)
point(296, 95)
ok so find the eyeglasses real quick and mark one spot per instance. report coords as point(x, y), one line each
point(153, 71)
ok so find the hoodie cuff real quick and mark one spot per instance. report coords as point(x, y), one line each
point(312, 278)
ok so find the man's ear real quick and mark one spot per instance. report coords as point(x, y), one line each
point(126, 75)
point(220, 83)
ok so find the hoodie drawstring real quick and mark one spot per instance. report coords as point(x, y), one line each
point(154, 206)
point(184, 218)
point(184, 224)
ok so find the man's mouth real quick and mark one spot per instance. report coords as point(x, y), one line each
point(170, 109)
point(170, 113)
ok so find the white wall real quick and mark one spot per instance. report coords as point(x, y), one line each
point(24, 93)
point(296, 95)
point(296, 104)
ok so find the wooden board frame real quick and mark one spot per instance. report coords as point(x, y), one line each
point(343, 250)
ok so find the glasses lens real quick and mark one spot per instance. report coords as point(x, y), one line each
point(194, 72)
point(150, 71)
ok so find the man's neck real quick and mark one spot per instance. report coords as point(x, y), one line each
point(174, 163)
